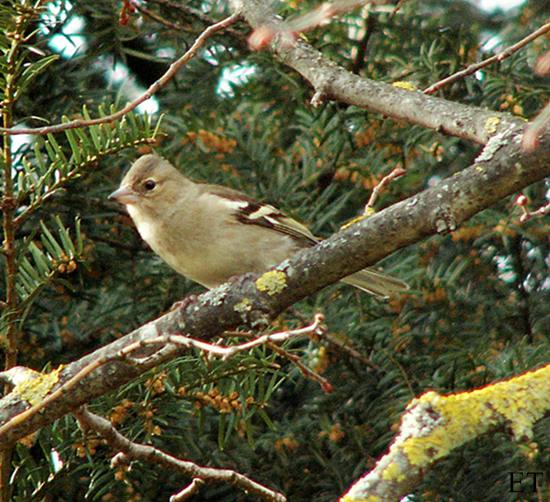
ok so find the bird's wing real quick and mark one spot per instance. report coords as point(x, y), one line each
point(252, 212)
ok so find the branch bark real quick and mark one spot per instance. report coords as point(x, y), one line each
point(502, 169)
point(129, 450)
point(497, 58)
point(334, 82)
point(434, 425)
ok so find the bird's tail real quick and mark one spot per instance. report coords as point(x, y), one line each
point(376, 283)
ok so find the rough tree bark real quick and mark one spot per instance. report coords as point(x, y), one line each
point(502, 169)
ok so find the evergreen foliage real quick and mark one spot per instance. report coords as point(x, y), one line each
point(478, 309)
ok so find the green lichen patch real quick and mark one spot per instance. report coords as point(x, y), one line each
point(370, 498)
point(491, 124)
point(517, 403)
point(272, 282)
point(245, 305)
point(38, 386)
point(393, 473)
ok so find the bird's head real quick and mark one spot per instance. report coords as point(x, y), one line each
point(150, 183)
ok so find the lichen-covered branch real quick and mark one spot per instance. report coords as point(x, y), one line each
point(36, 389)
point(501, 170)
point(434, 425)
point(332, 81)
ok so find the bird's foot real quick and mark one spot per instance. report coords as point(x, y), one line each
point(183, 304)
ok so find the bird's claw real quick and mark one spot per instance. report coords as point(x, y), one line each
point(183, 304)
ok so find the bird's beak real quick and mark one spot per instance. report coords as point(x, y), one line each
point(124, 195)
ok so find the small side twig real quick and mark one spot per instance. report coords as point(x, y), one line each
point(523, 203)
point(359, 60)
point(146, 453)
point(369, 208)
point(225, 352)
point(486, 62)
point(350, 351)
point(187, 10)
point(396, 9)
point(384, 182)
point(188, 491)
point(307, 372)
point(293, 358)
point(155, 17)
point(165, 342)
point(154, 88)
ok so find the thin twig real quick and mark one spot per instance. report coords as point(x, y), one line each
point(8, 205)
point(494, 59)
point(307, 372)
point(523, 202)
point(293, 358)
point(147, 453)
point(154, 88)
point(541, 211)
point(396, 9)
point(384, 182)
point(188, 491)
point(196, 13)
point(369, 208)
point(155, 17)
point(350, 351)
point(164, 341)
point(359, 61)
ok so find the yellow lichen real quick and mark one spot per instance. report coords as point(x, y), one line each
point(349, 498)
point(393, 473)
point(518, 403)
point(491, 124)
point(408, 86)
point(34, 389)
point(271, 282)
point(245, 305)
point(353, 221)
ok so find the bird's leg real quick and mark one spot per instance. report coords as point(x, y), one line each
point(183, 304)
point(240, 279)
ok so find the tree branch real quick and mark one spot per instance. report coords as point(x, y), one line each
point(147, 453)
point(135, 355)
point(154, 88)
point(501, 170)
point(189, 11)
point(497, 58)
point(334, 82)
point(434, 425)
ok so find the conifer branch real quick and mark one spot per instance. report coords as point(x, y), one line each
point(434, 425)
point(147, 353)
point(155, 17)
point(187, 10)
point(150, 92)
point(146, 453)
point(11, 55)
point(331, 81)
point(497, 58)
point(502, 165)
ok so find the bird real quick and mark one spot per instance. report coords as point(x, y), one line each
point(211, 233)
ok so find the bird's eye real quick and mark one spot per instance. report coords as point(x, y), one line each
point(149, 184)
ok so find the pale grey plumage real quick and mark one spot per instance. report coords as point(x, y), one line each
point(210, 233)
